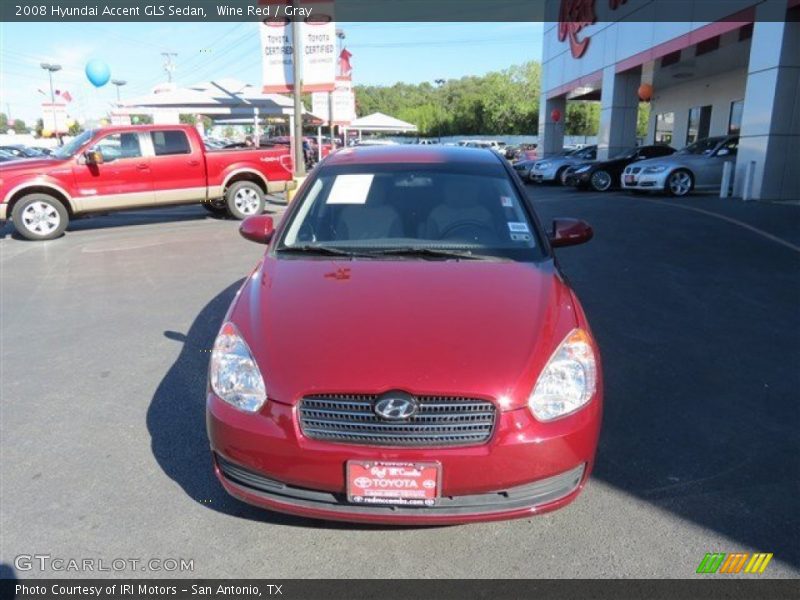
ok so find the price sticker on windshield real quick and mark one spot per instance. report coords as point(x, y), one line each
point(517, 227)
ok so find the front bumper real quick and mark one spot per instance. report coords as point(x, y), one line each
point(526, 468)
point(539, 175)
point(644, 181)
point(578, 179)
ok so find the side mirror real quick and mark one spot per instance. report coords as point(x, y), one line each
point(93, 157)
point(258, 228)
point(570, 232)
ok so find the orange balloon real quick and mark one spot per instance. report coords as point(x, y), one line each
point(645, 92)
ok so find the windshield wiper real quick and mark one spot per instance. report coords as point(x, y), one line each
point(432, 253)
point(319, 250)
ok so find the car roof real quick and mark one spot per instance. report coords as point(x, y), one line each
point(407, 153)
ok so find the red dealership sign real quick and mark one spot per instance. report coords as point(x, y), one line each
point(573, 16)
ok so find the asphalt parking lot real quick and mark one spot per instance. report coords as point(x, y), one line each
point(105, 339)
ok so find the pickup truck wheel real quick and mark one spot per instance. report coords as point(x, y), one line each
point(244, 199)
point(39, 217)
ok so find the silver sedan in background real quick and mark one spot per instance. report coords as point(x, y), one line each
point(554, 168)
point(696, 167)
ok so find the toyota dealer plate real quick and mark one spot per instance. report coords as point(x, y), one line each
point(393, 483)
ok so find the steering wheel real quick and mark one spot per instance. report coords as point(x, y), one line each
point(476, 227)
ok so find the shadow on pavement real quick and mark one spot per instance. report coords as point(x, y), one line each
point(177, 426)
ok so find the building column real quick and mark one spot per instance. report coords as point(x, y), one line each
point(551, 134)
point(619, 110)
point(770, 133)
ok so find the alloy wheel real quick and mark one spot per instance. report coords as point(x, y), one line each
point(601, 181)
point(247, 201)
point(680, 183)
point(41, 218)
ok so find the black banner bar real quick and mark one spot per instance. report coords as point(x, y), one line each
point(711, 588)
point(576, 11)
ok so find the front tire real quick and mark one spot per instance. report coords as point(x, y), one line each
point(561, 176)
point(680, 183)
point(601, 181)
point(244, 199)
point(39, 217)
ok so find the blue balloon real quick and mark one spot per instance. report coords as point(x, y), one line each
point(97, 72)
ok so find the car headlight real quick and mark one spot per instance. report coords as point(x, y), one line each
point(568, 381)
point(583, 169)
point(659, 169)
point(543, 165)
point(233, 372)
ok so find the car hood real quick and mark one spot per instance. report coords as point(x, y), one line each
point(23, 165)
point(466, 328)
point(673, 160)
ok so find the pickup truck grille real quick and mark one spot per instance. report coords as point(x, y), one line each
point(439, 421)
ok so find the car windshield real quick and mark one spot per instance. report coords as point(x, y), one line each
point(705, 146)
point(73, 146)
point(423, 211)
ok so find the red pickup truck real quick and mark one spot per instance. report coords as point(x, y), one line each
point(127, 167)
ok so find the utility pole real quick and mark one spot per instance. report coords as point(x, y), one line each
point(169, 66)
point(299, 160)
point(439, 83)
point(51, 68)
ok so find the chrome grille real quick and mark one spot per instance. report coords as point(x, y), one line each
point(439, 421)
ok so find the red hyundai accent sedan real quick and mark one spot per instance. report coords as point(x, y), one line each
point(407, 350)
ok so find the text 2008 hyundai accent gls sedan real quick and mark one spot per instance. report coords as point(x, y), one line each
point(407, 351)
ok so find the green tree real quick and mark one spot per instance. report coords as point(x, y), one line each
point(3, 122)
point(19, 126)
point(501, 102)
point(75, 129)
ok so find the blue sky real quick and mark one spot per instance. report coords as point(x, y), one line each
point(383, 53)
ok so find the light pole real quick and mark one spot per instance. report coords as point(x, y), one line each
point(119, 83)
point(299, 159)
point(52, 68)
point(439, 83)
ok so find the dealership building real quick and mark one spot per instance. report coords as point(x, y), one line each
point(733, 69)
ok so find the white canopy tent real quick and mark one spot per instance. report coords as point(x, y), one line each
point(379, 122)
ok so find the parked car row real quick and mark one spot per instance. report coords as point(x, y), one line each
point(653, 168)
point(20, 151)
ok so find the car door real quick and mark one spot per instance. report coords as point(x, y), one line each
point(179, 174)
point(122, 180)
point(709, 170)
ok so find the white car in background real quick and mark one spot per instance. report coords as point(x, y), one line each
point(555, 167)
point(698, 167)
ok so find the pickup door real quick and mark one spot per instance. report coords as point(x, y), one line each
point(123, 180)
point(177, 166)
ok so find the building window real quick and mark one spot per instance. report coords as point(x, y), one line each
point(707, 46)
point(665, 123)
point(671, 58)
point(699, 124)
point(735, 122)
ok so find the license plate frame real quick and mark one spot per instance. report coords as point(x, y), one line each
point(420, 495)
